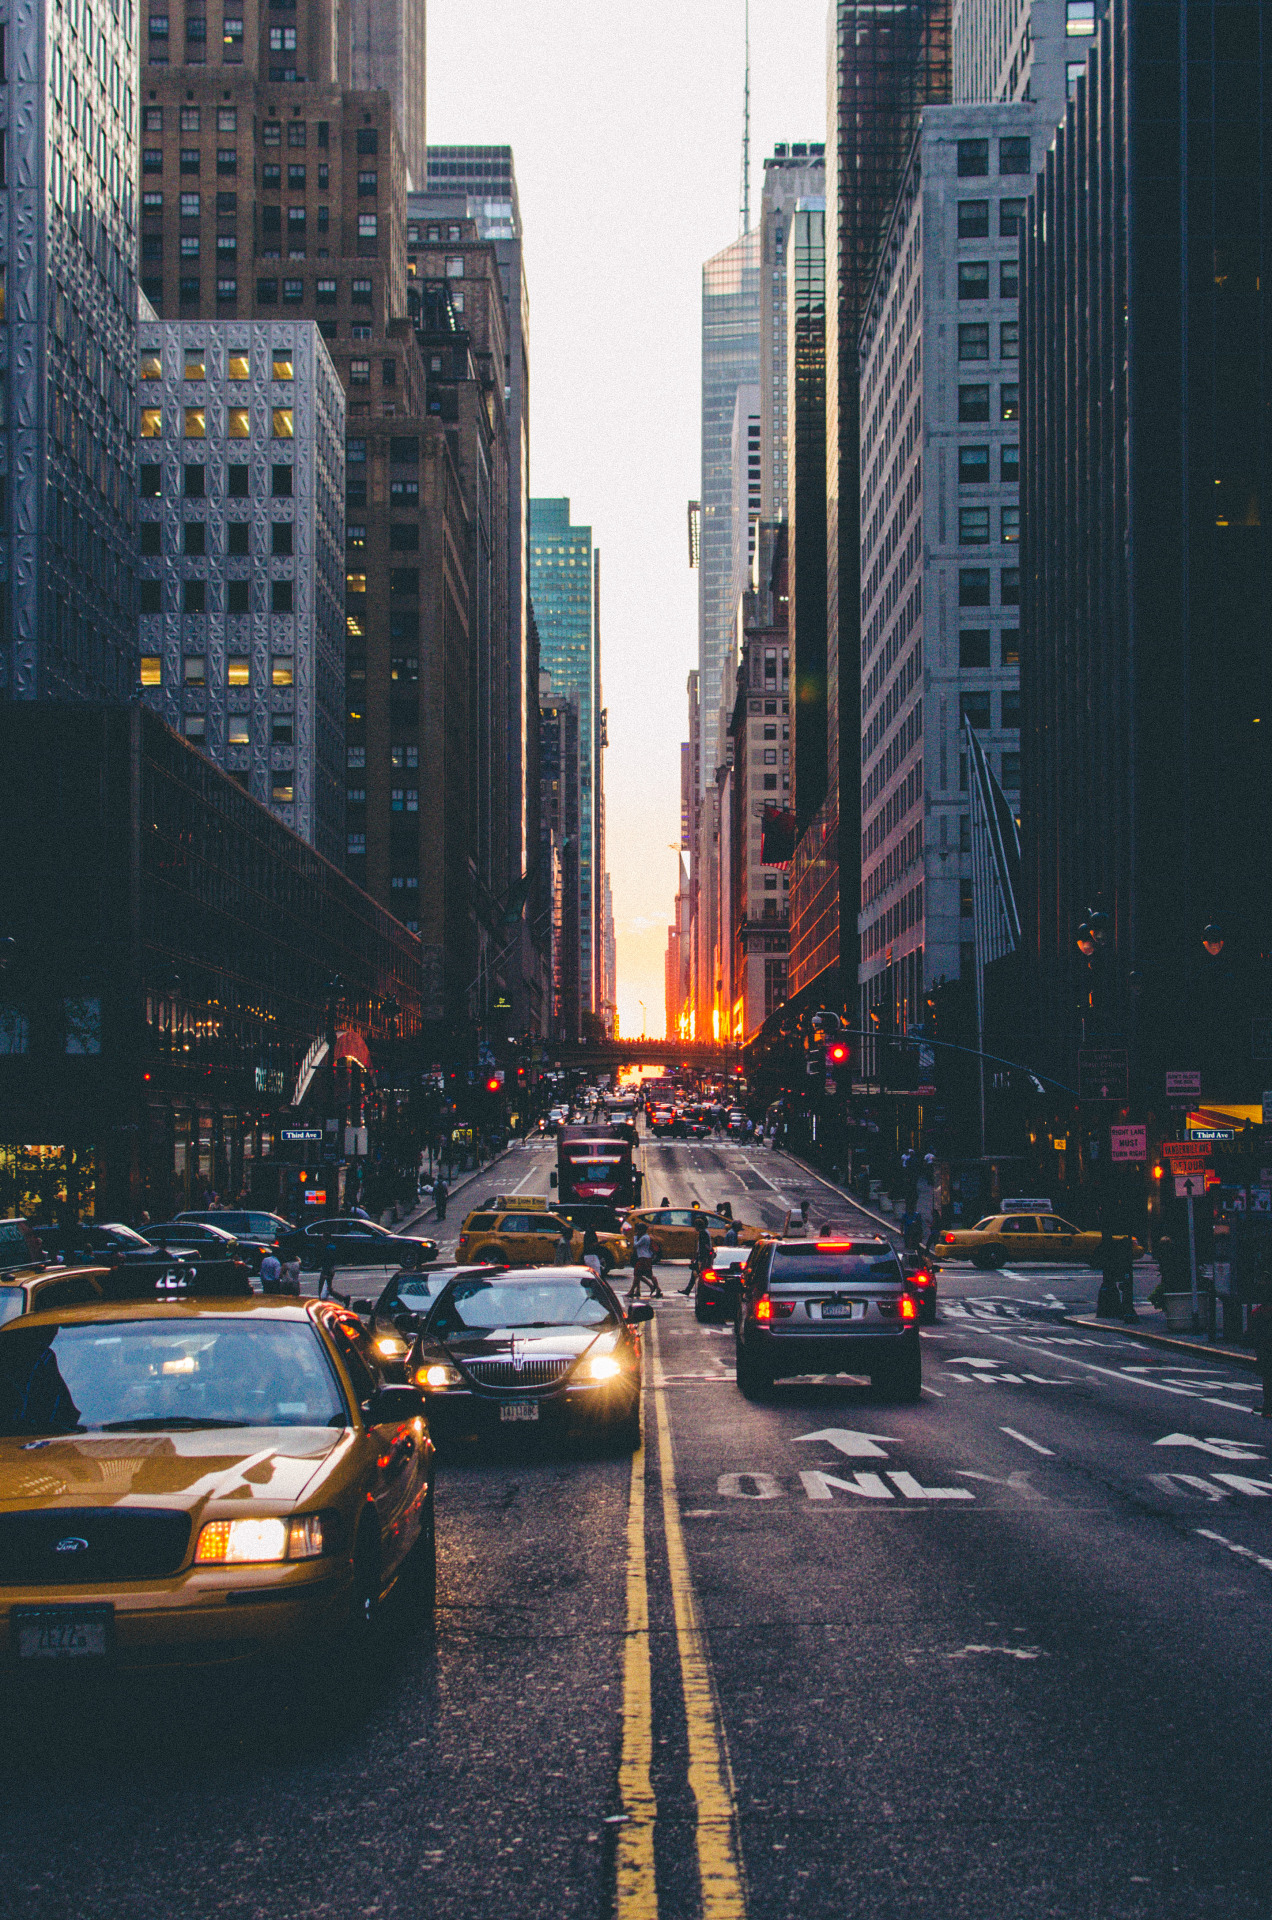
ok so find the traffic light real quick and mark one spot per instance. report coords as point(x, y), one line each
point(495, 1083)
point(837, 1054)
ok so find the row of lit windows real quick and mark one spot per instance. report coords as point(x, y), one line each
point(238, 672)
point(238, 423)
point(974, 525)
point(238, 365)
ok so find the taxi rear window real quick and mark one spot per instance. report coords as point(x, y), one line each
point(480, 1222)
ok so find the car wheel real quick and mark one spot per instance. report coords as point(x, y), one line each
point(987, 1260)
point(421, 1569)
point(700, 1310)
point(626, 1432)
point(754, 1380)
point(489, 1257)
point(927, 1315)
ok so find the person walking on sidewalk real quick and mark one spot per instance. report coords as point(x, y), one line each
point(703, 1254)
point(441, 1194)
point(1261, 1329)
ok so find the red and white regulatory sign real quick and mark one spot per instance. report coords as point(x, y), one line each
point(1128, 1143)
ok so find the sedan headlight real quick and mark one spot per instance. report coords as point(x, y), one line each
point(603, 1366)
point(246, 1542)
point(438, 1374)
point(391, 1346)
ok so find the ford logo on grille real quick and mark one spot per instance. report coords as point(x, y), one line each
point(72, 1544)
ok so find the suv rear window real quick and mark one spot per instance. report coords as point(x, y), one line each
point(816, 1264)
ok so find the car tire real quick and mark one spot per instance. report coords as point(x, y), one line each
point(421, 1569)
point(488, 1257)
point(625, 1433)
point(988, 1261)
point(900, 1378)
point(702, 1313)
point(927, 1316)
point(754, 1380)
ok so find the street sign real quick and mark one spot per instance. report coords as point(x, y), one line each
point(1102, 1073)
point(1183, 1150)
point(300, 1133)
point(1211, 1133)
point(1183, 1086)
point(1189, 1186)
point(1128, 1144)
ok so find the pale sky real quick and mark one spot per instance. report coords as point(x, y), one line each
point(625, 122)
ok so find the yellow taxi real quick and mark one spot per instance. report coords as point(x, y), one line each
point(526, 1235)
point(674, 1230)
point(204, 1479)
point(1008, 1239)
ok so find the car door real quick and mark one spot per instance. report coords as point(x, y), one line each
point(1020, 1237)
point(517, 1238)
point(1064, 1241)
point(397, 1458)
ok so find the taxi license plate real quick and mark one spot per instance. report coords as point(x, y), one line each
point(62, 1633)
point(519, 1410)
point(838, 1309)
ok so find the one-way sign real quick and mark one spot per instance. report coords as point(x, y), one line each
point(1102, 1073)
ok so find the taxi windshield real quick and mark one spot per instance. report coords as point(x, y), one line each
point(479, 1306)
point(145, 1376)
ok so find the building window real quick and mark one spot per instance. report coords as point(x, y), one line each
point(195, 423)
point(238, 673)
point(189, 246)
point(282, 673)
point(150, 596)
point(974, 707)
point(973, 158)
point(1010, 215)
point(368, 140)
point(1009, 646)
point(189, 159)
point(973, 219)
point(152, 120)
point(227, 119)
point(188, 290)
point(150, 366)
point(238, 537)
point(227, 290)
point(360, 293)
point(149, 479)
point(152, 206)
point(281, 482)
point(151, 423)
point(357, 846)
point(151, 538)
point(770, 783)
point(355, 756)
point(973, 279)
point(239, 482)
point(195, 726)
point(189, 119)
point(238, 596)
point(359, 373)
point(404, 670)
point(1010, 397)
point(1011, 772)
point(239, 730)
point(280, 730)
point(973, 647)
point(973, 341)
point(196, 537)
point(293, 291)
point(973, 526)
point(368, 185)
point(280, 596)
point(1011, 707)
point(973, 466)
point(195, 666)
point(973, 405)
point(281, 537)
point(283, 423)
point(1009, 587)
point(1079, 17)
point(227, 160)
point(1074, 71)
point(355, 583)
point(267, 293)
point(973, 586)
point(272, 133)
point(965, 899)
point(152, 160)
point(1009, 463)
point(195, 597)
point(232, 41)
point(194, 480)
point(326, 293)
point(189, 206)
point(368, 229)
point(1013, 154)
point(1009, 279)
point(282, 791)
point(151, 670)
point(1011, 525)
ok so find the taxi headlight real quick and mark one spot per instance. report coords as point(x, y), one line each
point(603, 1366)
point(391, 1346)
point(439, 1373)
point(242, 1540)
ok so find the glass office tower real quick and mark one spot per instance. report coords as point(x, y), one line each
point(562, 592)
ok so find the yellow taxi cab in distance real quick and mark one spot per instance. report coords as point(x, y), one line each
point(674, 1230)
point(525, 1234)
point(203, 1477)
point(1006, 1239)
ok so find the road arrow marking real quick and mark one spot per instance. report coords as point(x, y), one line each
point(1257, 1489)
point(907, 1484)
point(1226, 1449)
point(857, 1446)
point(1165, 1483)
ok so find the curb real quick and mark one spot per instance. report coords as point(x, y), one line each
point(1233, 1354)
point(478, 1173)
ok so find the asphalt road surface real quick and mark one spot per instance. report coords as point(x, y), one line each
point(1004, 1655)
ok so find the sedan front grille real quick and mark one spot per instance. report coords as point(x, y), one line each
point(85, 1546)
point(531, 1373)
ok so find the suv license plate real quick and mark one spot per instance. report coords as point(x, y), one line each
point(519, 1410)
point(62, 1633)
point(837, 1309)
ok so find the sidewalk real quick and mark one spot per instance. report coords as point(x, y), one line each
point(427, 1211)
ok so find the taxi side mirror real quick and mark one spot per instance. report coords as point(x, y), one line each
point(639, 1310)
point(390, 1406)
point(362, 1307)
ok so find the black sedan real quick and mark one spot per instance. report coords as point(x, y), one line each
point(395, 1318)
point(356, 1243)
point(529, 1349)
point(192, 1235)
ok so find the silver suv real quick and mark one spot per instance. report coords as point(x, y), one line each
point(828, 1306)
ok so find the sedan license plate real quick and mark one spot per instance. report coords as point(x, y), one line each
point(838, 1309)
point(519, 1410)
point(62, 1633)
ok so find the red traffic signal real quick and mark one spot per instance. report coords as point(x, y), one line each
point(494, 1083)
point(836, 1054)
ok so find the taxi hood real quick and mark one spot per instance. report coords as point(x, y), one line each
point(186, 1471)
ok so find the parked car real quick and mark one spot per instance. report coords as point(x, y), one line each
point(85, 1242)
point(515, 1351)
point(357, 1243)
point(256, 1233)
point(828, 1306)
point(192, 1234)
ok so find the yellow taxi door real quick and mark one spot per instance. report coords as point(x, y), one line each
point(396, 1455)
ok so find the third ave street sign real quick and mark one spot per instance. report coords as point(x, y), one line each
point(1102, 1073)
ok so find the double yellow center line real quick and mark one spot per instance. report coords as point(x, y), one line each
point(710, 1775)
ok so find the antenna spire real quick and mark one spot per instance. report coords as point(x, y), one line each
point(746, 125)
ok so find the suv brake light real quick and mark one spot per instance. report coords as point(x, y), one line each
point(908, 1308)
point(767, 1309)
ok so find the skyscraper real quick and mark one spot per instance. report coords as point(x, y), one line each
point(806, 501)
point(1026, 50)
point(387, 49)
point(68, 299)
point(794, 172)
point(563, 592)
point(730, 359)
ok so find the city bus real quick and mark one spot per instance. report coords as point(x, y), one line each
point(594, 1163)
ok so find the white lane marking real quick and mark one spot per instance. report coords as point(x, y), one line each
point(1017, 1481)
point(868, 1486)
point(934, 1391)
point(1165, 1483)
point(1116, 1373)
point(1247, 1553)
point(763, 1486)
point(1012, 1653)
point(857, 1446)
point(1241, 1483)
point(1226, 1449)
point(1025, 1441)
point(909, 1486)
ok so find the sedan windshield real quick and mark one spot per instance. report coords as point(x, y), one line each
point(140, 1376)
point(479, 1306)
